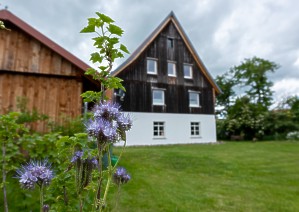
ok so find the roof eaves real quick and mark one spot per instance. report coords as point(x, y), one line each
point(145, 43)
point(193, 51)
point(8, 16)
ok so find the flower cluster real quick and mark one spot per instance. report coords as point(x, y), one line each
point(35, 172)
point(78, 157)
point(84, 168)
point(108, 124)
point(121, 176)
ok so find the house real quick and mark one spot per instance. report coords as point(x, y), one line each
point(33, 66)
point(169, 92)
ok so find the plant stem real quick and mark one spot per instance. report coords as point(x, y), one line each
point(81, 202)
point(122, 151)
point(41, 196)
point(100, 168)
point(110, 172)
point(117, 198)
point(4, 177)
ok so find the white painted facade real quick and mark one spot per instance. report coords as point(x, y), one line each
point(177, 129)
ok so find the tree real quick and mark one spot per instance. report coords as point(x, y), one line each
point(245, 114)
point(252, 73)
point(224, 99)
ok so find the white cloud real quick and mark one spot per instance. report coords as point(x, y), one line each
point(285, 87)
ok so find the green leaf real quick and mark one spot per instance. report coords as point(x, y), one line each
point(99, 41)
point(113, 29)
point(88, 29)
point(113, 40)
point(103, 68)
point(105, 18)
point(91, 96)
point(124, 48)
point(96, 57)
point(90, 71)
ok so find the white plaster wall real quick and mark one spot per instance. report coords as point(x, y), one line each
point(177, 128)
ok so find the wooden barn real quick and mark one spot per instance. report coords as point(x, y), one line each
point(169, 91)
point(33, 66)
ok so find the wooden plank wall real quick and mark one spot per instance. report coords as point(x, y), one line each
point(30, 69)
point(22, 53)
point(54, 97)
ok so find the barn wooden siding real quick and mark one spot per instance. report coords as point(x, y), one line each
point(30, 69)
point(139, 84)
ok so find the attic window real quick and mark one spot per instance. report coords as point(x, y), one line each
point(171, 69)
point(188, 71)
point(151, 66)
point(170, 43)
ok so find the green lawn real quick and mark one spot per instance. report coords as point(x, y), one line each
point(233, 176)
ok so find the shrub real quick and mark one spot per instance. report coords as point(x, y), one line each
point(293, 136)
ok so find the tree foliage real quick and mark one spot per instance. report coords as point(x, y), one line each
point(252, 73)
point(246, 97)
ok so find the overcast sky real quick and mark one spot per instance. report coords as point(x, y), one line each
point(223, 32)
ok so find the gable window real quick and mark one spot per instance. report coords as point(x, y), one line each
point(158, 97)
point(194, 99)
point(151, 66)
point(159, 129)
point(195, 129)
point(171, 69)
point(187, 71)
point(170, 43)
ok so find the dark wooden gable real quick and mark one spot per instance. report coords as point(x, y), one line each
point(167, 43)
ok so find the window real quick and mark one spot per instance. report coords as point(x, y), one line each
point(170, 43)
point(195, 129)
point(187, 71)
point(171, 68)
point(151, 66)
point(158, 97)
point(159, 129)
point(194, 99)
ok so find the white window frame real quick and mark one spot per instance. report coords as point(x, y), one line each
point(173, 67)
point(195, 129)
point(190, 75)
point(191, 104)
point(159, 129)
point(155, 61)
point(162, 100)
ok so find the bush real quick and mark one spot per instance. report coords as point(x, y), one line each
point(293, 136)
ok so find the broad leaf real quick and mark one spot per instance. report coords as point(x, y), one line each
point(124, 48)
point(105, 18)
point(96, 57)
point(88, 29)
point(113, 29)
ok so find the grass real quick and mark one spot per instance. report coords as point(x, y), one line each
point(233, 176)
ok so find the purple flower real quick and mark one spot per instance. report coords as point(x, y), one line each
point(35, 172)
point(121, 176)
point(77, 155)
point(102, 129)
point(93, 127)
point(107, 110)
point(94, 161)
point(124, 122)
